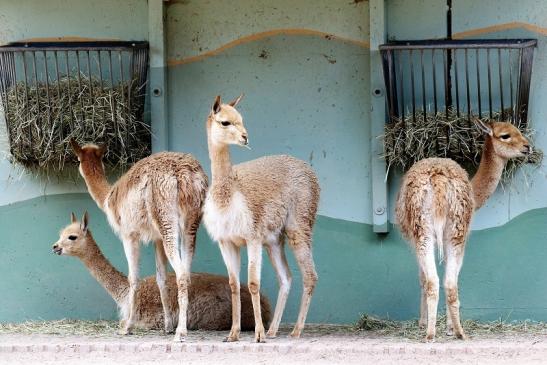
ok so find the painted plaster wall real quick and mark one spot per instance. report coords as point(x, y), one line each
point(304, 71)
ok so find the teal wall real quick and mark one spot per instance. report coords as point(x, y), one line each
point(305, 72)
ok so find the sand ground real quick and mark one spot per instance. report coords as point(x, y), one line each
point(320, 344)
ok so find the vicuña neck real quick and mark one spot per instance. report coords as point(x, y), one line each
point(115, 283)
point(221, 165)
point(96, 182)
point(488, 175)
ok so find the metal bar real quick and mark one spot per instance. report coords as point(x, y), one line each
point(489, 83)
point(101, 83)
point(377, 117)
point(524, 84)
point(112, 101)
point(91, 101)
point(80, 91)
point(511, 85)
point(5, 99)
point(423, 82)
point(47, 90)
point(26, 95)
point(413, 86)
point(75, 46)
point(58, 78)
point(447, 101)
point(4, 87)
point(517, 95)
point(478, 83)
point(35, 72)
point(120, 62)
point(460, 43)
point(69, 90)
point(434, 81)
point(501, 82)
point(158, 72)
point(129, 87)
point(456, 80)
point(468, 95)
point(389, 74)
point(402, 87)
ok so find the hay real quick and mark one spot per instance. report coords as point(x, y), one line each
point(406, 142)
point(71, 327)
point(80, 108)
point(410, 329)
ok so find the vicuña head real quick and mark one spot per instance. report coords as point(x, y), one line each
point(74, 238)
point(505, 139)
point(225, 124)
point(90, 156)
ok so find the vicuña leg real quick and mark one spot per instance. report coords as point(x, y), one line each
point(426, 260)
point(301, 245)
point(161, 277)
point(276, 252)
point(170, 233)
point(454, 261)
point(232, 260)
point(132, 251)
point(422, 323)
point(183, 284)
point(254, 253)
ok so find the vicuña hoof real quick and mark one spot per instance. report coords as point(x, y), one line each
point(461, 336)
point(124, 331)
point(232, 337)
point(429, 338)
point(271, 334)
point(450, 331)
point(179, 337)
point(296, 333)
point(260, 336)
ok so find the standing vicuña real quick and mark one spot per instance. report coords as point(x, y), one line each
point(435, 205)
point(258, 203)
point(209, 296)
point(160, 198)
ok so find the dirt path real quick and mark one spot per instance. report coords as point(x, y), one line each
point(320, 345)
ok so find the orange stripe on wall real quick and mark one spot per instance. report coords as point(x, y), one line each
point(500, 27)
point(261, 35)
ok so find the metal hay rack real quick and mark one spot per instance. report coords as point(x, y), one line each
point(91, 91)
point(475, 77)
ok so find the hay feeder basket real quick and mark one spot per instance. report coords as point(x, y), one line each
point(437, 87)
point(94, 91)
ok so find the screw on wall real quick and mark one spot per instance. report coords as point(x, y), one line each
point(378, 92)
point(156, 91)
point(379, 210)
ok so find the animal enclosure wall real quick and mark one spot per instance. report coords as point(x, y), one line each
point(305, 73)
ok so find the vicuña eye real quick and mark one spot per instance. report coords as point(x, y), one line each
point(225, 123)
point(72, 238)
point(505, 136)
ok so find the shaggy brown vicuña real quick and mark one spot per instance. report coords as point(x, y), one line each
point(434, 208)
point(209, 296)
point(159, 199)
point(259, 203)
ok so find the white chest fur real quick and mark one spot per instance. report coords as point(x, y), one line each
point(233, 222)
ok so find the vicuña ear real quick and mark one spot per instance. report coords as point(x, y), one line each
point(236, 100)
point(73, 218)
point(484, 127)
point(85, 222)
point(102, 150)
point(216, 105)
point(76, 147)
